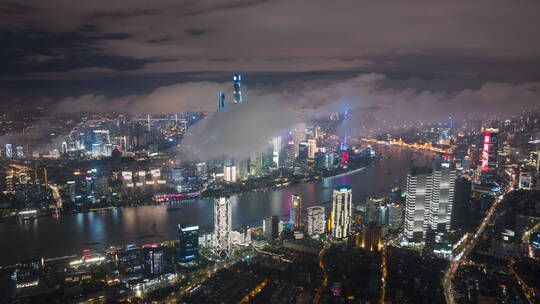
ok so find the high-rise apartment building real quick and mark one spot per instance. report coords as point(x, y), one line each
point(419, 188)
point(442, 197)
point(430, 197)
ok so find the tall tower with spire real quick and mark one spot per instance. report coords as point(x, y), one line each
point(237, 95)
point(344, 147)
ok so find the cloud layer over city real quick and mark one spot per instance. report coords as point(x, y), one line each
point(390, 62)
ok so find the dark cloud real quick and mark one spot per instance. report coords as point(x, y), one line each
point(195, 32)
point(433, 46)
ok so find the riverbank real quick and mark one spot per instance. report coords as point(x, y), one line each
point(266, 183)
point(72, 233)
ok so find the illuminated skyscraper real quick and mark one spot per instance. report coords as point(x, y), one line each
point(373, 211)
point(237, 95)
point(419, 189)
point(312, 148)
point(295, 214)
point(188, 243)
point(490, 153)
point(290, 149)
point(229, 172)
point(9, 151)
point(315, 221)
point(395, 213)
point(430, 198)
point(276, 150)
point(222, 226)
point(345, 140)
point(341, 212)
point(20, 152)
point(222, 102)
point(442, 197)
point(154, 260)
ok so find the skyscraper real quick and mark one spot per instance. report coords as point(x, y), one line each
point(276, 150)
point(188, 243)
point(295, 214)
point(373, 210)
point(255, 164)
point(222, 102)
point(341, 212)
point(271, 228)
point(344, 147)
point(9, 151)
point(442, 197)
point(419, 186)
point(290, 148)
point(315, 221)
point(371, 237)
point(460, 208)
point(222, 226)
point(395, 213)
point(490, 154)
point(229, 172)
point(20, 152)
point(242, 169)
point(312, 148)
point(154, 260)
point(237, 95)
point(430, 197)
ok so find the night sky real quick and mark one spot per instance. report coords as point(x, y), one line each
point(171, 55)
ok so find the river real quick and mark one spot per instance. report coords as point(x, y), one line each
point(70, 234)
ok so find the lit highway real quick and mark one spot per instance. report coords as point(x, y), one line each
point(470, 243)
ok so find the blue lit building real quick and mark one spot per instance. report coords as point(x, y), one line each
point(188, 245)
point(535, 240)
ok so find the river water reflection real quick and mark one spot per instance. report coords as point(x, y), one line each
point(70, 234)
